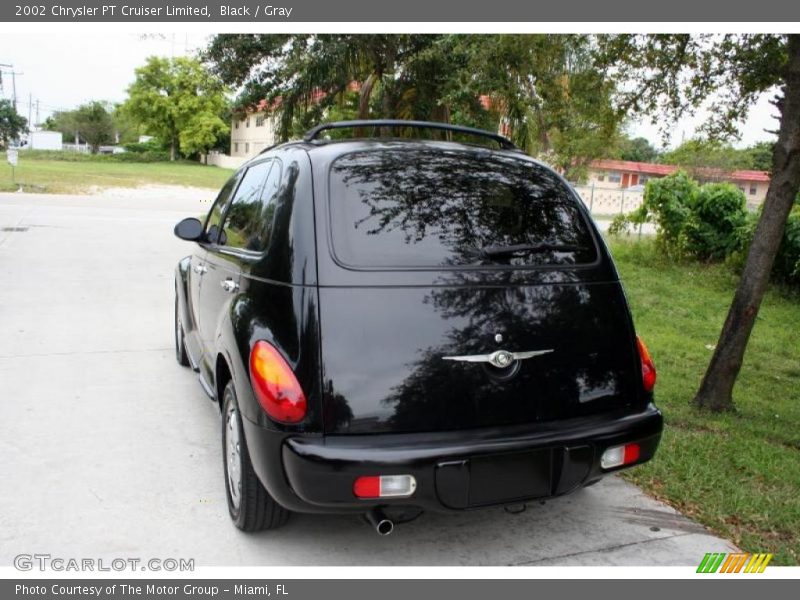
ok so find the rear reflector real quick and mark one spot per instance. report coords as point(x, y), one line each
point(276, 388)
point(619, 456)
point(384, 486)
point(648, 368)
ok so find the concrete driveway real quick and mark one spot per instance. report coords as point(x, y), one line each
point(109, 449)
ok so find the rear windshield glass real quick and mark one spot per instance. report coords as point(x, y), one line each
point(434, 208)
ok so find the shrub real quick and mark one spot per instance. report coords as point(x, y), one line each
point(787, 263)
point(715, 218)
point(144, 157)
point(67, 156)
point(144, 147)
point(624, 224)
point(786, 269)
point(668, 201)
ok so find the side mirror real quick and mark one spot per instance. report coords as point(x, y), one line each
point(190, 229)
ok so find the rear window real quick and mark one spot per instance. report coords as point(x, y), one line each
point(431, 208)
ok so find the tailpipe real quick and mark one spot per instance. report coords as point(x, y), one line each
point(378, 519)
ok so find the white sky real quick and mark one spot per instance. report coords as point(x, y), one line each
point(62, 71)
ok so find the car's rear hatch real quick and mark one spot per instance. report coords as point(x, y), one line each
point(462, 289)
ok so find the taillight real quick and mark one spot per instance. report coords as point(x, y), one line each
point(384, 486)
point(648, 368)
point(619, 456)
point(276, 388)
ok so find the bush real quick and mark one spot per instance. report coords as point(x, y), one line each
point(68, 156)
point(668, 201)
point(142, 157)
point(715, 219)
point(145, 147)
point(710, 223)
point(624, 224)
point(787, 262)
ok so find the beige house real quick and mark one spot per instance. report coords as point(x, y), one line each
point(624, 174)
point(251, 132)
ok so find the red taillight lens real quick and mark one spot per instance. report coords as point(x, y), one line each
point(367, 487)
point(275, 385)
point(648, 368)
point(384, 486)
point(631, 454)
point(620, 456)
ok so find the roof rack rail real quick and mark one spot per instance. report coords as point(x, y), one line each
point(504, 142)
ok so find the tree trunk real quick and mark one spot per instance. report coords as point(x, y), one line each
point(172, 150)
point(364, 96)
point(716, 390)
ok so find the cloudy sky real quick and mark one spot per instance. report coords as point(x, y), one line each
point(63, 71)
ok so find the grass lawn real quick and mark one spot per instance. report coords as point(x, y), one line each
point(56, 176)
point(737, 473)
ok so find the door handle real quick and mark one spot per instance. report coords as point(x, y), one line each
point(199, 269)
point(229, 285)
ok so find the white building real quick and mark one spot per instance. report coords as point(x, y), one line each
point(252, 131)
point(46, 140)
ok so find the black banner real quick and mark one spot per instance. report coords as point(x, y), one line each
point(335, 589)
point(514, 11)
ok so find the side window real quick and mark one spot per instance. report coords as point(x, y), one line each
point(269, 201)
point(218, 209)
point(241, 228)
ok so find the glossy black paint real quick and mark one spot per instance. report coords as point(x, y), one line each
point(316, 474)
point(190, 229)
point(367, 346)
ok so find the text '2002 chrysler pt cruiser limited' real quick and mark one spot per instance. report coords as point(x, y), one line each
point(392, 324)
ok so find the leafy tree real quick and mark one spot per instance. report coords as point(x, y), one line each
point(91, 123)
point(672, 75)
point(11, 122)
point(126, 129)
point(94, 124)
point(545, 89)
point(201, 133)
point(178, 101)
point(305, 75)
point(63, 122)
point(636, 149)
point(707, 159)
point(759, 156)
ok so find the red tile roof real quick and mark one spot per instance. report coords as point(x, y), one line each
point(747, 175)
point(661, 170)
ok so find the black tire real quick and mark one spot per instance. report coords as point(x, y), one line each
point(180, 346)
point(253, 509)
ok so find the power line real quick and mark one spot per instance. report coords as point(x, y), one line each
point(13, 74)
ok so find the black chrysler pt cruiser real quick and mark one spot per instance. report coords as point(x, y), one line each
point(394, 324)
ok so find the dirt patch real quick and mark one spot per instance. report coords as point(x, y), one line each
point(156, 192)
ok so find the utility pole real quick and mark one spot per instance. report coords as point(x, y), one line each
point(38, 121)
point(13, 81)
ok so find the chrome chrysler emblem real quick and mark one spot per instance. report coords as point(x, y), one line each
point(499, 358)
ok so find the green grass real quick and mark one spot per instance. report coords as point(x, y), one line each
point(737, 473)
point(58, 176)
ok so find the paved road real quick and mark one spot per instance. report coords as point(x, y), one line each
point(109, 449)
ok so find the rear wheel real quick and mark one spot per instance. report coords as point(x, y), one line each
point(180, 346)
point(249, 504)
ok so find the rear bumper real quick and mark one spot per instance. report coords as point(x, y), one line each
point(454, 470)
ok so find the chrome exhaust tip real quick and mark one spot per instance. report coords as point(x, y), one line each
point(382, 524)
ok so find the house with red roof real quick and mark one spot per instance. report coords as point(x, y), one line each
point(625, 174)
point(255, 128)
